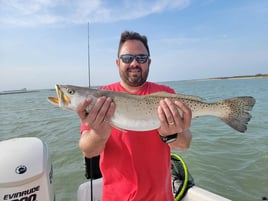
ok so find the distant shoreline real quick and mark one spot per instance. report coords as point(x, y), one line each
point(24, 90)
point(240, 77)
point(17, 91)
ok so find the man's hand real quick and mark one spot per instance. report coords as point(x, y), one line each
point(99, 116)
point(172, 119)
point(175, 118)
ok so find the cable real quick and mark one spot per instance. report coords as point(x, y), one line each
point(186, 177)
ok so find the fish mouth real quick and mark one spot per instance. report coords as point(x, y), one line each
point(62, 99)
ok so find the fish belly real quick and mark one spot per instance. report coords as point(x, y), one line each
point(136, 114)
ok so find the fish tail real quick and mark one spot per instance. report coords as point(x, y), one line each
point(237, 115)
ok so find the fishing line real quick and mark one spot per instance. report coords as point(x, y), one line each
point(91, 159)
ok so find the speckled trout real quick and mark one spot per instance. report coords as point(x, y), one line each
point(139, 113)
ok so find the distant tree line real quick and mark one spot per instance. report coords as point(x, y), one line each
point(259, 75)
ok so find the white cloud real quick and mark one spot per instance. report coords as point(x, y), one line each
point(39, 12)
point(26, 7)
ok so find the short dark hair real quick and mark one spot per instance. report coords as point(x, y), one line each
point(130, 35)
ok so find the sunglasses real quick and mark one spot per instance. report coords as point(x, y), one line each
point(128, 58)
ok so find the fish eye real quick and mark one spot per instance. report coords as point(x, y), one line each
point(71, 91)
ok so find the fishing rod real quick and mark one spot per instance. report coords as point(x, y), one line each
point(92, 162)
point(88, 55)
point(88, 67)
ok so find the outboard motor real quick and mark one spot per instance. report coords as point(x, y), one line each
point(25, 170)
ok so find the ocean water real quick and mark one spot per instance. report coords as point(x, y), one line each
point(221, 160)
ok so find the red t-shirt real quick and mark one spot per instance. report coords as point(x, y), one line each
point(136, 165)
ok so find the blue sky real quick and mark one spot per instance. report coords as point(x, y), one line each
point(44, 42)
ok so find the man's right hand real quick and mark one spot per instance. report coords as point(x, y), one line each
point(100, 114)
point(98, 120)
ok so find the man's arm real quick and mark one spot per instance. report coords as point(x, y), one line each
point(183, 141)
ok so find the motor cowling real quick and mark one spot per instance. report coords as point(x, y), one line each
point(26, 172)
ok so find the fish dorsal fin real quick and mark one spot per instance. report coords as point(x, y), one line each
point(160, 94)
point(197, 98)
point(177, 95)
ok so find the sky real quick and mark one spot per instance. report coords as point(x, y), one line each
point(45, 42)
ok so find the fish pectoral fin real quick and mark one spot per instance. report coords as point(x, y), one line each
point(53, 100)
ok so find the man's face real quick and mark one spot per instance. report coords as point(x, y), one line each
point(133, 73)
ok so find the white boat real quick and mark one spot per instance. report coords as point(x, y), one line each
point(27, 175)
point(193, 194)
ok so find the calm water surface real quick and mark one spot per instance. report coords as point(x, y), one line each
point(220, 159)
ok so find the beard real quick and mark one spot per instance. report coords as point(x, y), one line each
point(134, 77)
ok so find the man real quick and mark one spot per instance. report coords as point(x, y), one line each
point(135, 165)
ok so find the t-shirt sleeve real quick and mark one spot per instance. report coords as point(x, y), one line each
point(158, 87)
point(170, 90)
